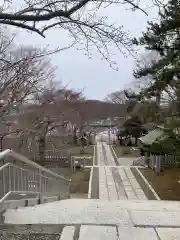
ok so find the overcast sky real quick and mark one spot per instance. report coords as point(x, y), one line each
point(94, 75)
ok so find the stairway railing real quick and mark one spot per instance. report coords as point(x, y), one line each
point(139, 162)
point(22, 176)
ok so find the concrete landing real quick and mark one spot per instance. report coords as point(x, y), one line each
point(96, 219)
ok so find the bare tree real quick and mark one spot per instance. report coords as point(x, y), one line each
point(118, 97)
point(23, 72)
point(48, 116)
point(79, 18)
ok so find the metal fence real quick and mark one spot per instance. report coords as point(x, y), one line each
point(61, 158)
point(151, 162)
point(170, 161)
point(59, 155)
point(164, 161)
point(31, 178)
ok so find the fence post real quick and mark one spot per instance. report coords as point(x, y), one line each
point(69, 159)
point(71, 163)
point(74, 165)
point(152, 162)
point(158, 165)
point(84, 162)
point(146, 158)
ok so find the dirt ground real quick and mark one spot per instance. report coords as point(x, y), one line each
point(122, 151)
point(166, 185)
point(80, 181)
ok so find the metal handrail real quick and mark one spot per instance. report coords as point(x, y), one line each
point(20, 168)
point(15, 179)
point(11, 153)
point(5, 197)
point(32, 178)
point(4, 166)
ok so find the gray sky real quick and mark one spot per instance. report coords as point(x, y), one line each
point(94, 75)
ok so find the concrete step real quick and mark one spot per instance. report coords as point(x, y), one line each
point(68, 233)
point(31, 232)
point(57, 232)
point(32, 228)
point(27, 236)
point(86, 232)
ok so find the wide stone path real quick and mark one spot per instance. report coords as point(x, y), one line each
point(116, 183)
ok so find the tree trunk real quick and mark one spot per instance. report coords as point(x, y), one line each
point(42, 146)
point(75, 136)
point(21, 144)
point(89, 137)
point(136, 141)
point(1, 143)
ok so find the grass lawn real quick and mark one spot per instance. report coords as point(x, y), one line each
point(122, 151)
point(80, 181)
point(166, 185)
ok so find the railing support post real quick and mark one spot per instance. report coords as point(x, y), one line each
point(84, 162)
point(40, 187)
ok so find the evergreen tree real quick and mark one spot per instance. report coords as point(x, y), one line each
point(163, 37)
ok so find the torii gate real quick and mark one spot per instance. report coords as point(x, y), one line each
point(109, 126)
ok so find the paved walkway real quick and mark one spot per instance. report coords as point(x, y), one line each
point(116, 183)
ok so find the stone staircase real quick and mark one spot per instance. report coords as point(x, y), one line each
point(87, 232)
point(32, 208)
point(74, 232)
point(96, 219)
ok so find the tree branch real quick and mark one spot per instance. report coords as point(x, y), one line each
point(22, 25)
